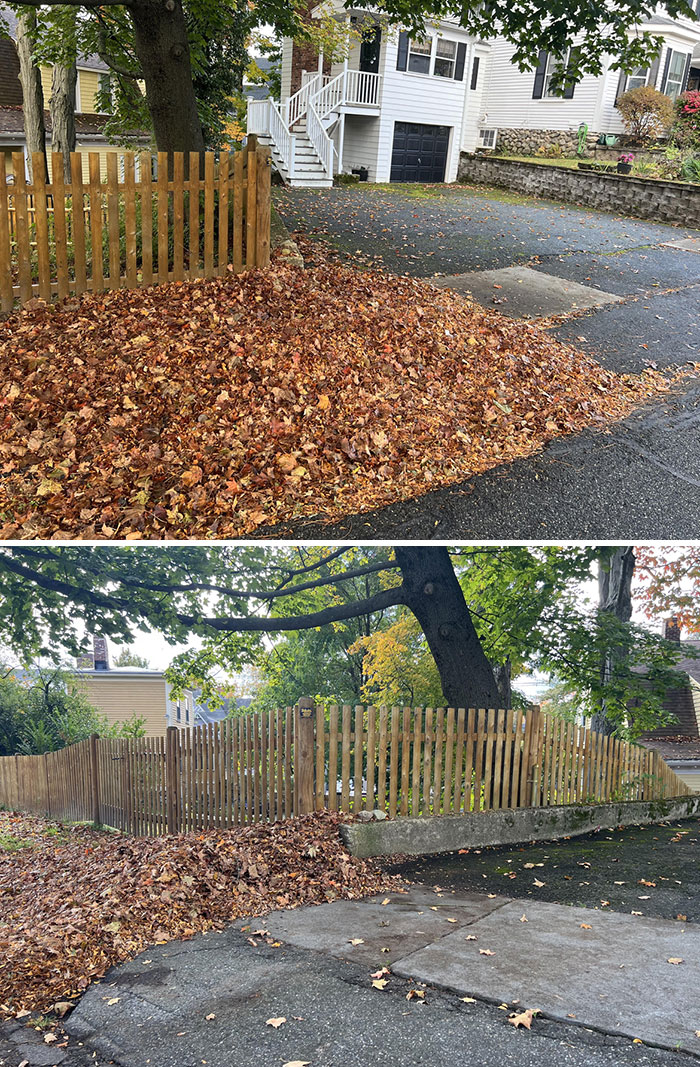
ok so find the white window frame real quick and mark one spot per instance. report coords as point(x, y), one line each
point(491, 143)
point(420, 55)
point(637, 79)
point(552, 62)
point(675, 81)
point(451, 60)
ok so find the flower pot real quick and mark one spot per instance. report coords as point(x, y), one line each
point(624, 168)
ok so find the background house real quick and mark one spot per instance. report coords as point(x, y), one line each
point(89, 121)
point(120, 692)
point(521, 114)
point(403, 108)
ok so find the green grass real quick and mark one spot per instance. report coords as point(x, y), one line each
point(10, 843)
point(563, 161)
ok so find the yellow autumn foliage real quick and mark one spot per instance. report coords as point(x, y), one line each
point(398, 666)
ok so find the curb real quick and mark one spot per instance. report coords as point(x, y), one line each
point(429, 835)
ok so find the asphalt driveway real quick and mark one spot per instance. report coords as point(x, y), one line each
point(641, 479)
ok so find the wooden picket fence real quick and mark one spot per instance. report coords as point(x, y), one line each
point(134, 229)
point(405, 761)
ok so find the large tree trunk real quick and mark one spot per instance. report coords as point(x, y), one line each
point(435, 597)
point(32, 93)
point(162, 47)
point(614, 596)
point(62, 105)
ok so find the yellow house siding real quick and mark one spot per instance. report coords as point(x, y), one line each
point(89, 84)
point(120, 698)
point(46, 83)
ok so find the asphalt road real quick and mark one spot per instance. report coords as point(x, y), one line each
point(642, 478)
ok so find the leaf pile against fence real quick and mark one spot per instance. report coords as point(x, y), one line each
point(189, 217)
point(265, 767)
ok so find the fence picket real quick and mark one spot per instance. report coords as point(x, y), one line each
point(24, 263)
point(95, 201)
point(60, 231)
point(6, 296)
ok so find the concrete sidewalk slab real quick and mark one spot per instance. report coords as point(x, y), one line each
point(521, 292)
point(613, 977)
point(688, 244)
point(387, 931)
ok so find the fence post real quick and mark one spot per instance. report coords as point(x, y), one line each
point(171, 776)
point(95, 781)
point(19, 804)
point(304, 756)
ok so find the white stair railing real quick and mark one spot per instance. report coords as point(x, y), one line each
point(258, 117)
point(319, 138)
point(296, 105)
point(319, 98)
point(283, 140)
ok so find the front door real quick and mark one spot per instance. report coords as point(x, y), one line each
point(419, 152)
point(369, 50)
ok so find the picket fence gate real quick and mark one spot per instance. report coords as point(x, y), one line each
point(133, 229)
point(267, 767)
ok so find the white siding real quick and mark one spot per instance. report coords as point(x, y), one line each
point(361, 146)
point(286, 71)
point(421, 98)
point(474, 106)
point(508, 100)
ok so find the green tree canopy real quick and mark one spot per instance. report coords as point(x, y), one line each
point(476, 607)
point(160, 40)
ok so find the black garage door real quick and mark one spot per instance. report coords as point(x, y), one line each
point(419, 153)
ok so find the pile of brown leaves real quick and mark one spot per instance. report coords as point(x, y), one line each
point(215, 407)
point(70, 911)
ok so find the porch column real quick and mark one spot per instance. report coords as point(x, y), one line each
point(341, 142)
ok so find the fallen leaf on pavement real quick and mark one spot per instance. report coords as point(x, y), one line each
point(415, 994)
point(381, 973)
point(210, 1016)
point(380, 983)
point(356, 940)
point(486, 952)
point(276, 1022)
point(675, 959)
point(524, 1018)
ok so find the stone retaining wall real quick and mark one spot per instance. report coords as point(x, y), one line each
point(527, 142)
point(646, 198)
point(428, 835)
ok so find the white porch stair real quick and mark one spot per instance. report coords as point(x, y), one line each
point(298, 132)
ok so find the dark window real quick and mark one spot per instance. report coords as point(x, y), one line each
point(475, 73)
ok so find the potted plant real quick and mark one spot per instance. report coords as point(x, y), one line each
point(624, 162)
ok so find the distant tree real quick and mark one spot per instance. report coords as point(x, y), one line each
point(44, 711)
point(127, 658)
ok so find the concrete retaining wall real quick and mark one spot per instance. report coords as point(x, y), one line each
point(646, 198)
point(447, 833)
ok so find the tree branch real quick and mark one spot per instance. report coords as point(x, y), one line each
point(226, 624)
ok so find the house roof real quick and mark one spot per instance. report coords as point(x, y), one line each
point(12, 121)
point(92, 62)
point(687, 664)
point(117, 673)
point(86, 125)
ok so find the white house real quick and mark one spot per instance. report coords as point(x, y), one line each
point(521, 113)
point(404, 108)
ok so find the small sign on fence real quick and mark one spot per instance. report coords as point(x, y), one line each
point(149, 220)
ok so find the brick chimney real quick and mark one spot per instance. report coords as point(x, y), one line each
point(101, 655)
point(672, 629)
point(305, 55)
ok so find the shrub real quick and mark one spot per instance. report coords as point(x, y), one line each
point(686, 128)
point(646, 112)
